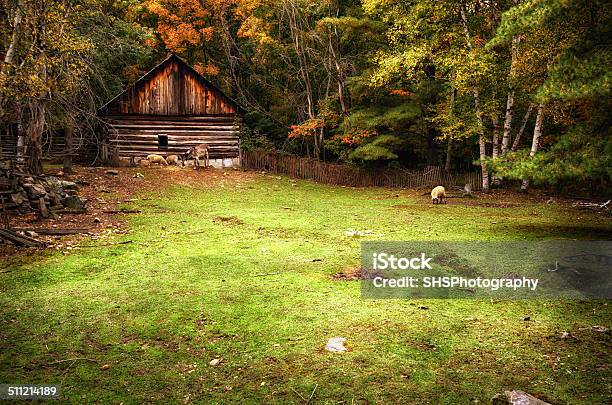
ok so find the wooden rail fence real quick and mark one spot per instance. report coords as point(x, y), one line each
point(342, 175)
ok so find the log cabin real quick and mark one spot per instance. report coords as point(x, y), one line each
point(168, 110)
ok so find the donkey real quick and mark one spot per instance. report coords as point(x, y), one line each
point(198, 152)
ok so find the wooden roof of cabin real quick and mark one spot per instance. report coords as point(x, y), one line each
point(172, 88)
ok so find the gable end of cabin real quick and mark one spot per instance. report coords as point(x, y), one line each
point(169, 110)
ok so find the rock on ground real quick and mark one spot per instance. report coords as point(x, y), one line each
point(74, 202)
point(517, 397)
point(336, 345)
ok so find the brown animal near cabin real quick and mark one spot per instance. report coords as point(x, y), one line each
point(173, 160)
point(438, 195)
point(198, 152)
point(144, 163)
point(123, 162)
point(157, 159)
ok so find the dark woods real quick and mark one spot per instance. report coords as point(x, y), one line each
point(518, 90)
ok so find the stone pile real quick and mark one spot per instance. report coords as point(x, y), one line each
point(44, 194)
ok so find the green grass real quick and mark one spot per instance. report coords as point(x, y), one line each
point(226, 271)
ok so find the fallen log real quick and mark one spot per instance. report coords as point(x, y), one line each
point(20, 239)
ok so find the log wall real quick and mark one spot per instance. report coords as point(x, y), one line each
point(138, 135)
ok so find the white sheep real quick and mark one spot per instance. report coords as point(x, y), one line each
point(438, 195)
point(157, 159)
point(173, 160)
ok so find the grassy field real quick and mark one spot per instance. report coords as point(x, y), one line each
point(239, 268)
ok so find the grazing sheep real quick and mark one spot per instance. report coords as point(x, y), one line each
point(173, 160)
point(438, 195)
point(144, 163)
point(157, 159)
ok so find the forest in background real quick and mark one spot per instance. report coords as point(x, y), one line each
point(520, 88)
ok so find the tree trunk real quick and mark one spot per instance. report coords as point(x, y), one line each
point(432, 147)
point(537, 132)
point(495, 152)
point(510, 100)
point(316, 148)
point(496, 181)
point(68, 132)
point(232, 53)
point(449, 149)
point(451, 113)
point(481, 136)
point(517, 140)
point(341, 75)
point(10, 52)
point(482, 147)
point(9, 56)
point(35, 130)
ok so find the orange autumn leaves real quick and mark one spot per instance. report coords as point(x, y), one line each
point(356, 136)
point(206, 70)
point(309, 128)
point(306, 128)
point(181, 23)
point(187, 25)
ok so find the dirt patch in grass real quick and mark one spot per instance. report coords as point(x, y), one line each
point(426, 347)
point(385, 197)
point(159, 343)
point(278, 232)
point(97, 346)
point(351, 274)
point(229, 221)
